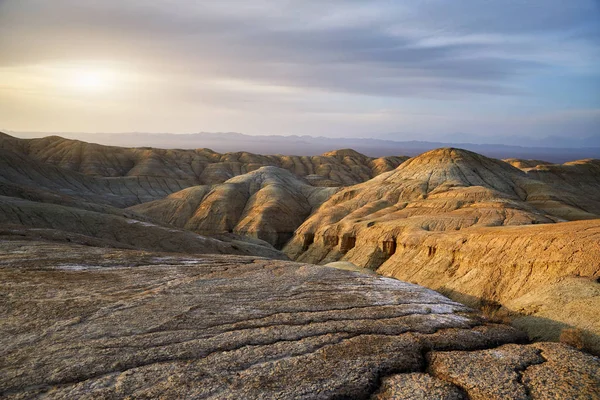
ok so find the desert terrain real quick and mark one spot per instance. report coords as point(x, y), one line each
point(147, 273)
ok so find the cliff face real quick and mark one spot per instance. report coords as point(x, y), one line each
point(464, 224)
point(106, 323)
point(196, 167)
point(268, 204)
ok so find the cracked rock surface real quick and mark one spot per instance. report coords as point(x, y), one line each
point(85, 322)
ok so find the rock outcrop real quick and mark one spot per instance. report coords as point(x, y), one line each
point(466, 225)
point(268, 204)
point(97, 323)
point(197, 167)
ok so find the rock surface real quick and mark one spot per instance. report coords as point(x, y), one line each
point(198, 167)
point(81, 322)
point(268, 204)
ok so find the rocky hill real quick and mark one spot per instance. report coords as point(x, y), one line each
point(581, 176)
point(525, 164)
point(476, 229)
point(268, 204)
point(22, 176)
point(466, 225)
point(55, 222)
point(196, 167)
point(81, 322)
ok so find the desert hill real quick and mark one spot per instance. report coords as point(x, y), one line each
point(268, 203)
point(466, 225)
point(19, 172)
point(84, 322)
point(524, 164)
point(115, 230)
point(581, 176)
point(42, 200)
point(196, 167)
point(448, 189)
point(477, 229)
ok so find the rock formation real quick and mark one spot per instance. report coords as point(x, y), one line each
point(22, 176)
point(466, 225)
point(269, 204)
point(581, 177)
point(61, 223)
point(525, 164)
point(85, 322)
point(196, 167)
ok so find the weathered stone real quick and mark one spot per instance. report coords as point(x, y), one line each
point(80, 321)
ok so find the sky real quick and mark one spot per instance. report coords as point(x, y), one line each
point(489, 71)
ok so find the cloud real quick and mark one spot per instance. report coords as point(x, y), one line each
point(297, 52)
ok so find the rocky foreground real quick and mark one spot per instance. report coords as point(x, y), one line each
point(86, 322)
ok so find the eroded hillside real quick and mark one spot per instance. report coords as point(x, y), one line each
point(477, 229)
point(468, 226)
point(269, 204)
point(196, 167)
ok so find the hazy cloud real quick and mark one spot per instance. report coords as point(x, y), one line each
point(343, 56)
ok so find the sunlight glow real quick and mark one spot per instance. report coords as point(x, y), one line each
point(92, 80)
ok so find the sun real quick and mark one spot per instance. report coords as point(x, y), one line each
point(92, 80)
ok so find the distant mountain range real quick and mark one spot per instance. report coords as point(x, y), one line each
point(309, 145)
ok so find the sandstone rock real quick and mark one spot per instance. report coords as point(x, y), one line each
point(417, 386)
point(81, 322)
point(348, 266)
point(269, 204)
point(539, 371)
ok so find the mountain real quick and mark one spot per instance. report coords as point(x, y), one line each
point(268, 203)
point(40, 200)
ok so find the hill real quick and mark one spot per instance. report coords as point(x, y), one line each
point(194, 167)
point(466, 225)
point(391, 144)
point(268, 204)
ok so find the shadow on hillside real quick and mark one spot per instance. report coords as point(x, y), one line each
point(537, 328)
